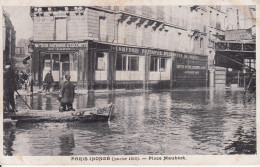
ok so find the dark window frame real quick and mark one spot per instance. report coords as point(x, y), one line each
point(131, 60)
point(121, 62)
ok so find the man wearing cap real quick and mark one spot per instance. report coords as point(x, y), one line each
point(66, 95)
point(9, 88)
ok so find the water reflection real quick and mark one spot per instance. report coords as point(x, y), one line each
point(67, 144)
point(9, 137)
point(174, 122)
point(245, 143)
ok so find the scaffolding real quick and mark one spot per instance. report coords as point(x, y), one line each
point(232, 54)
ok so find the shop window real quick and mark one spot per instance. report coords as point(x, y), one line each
point(65, 58)
point(100, 65)
point(154, 64)
point(47, 56)
point(133, 63)
point(163, 64)
point(47, 61)
point(121, 62)
point(56, 62)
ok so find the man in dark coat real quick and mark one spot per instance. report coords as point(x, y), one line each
point(48, 79)
point(10, 86)
point(67, 94)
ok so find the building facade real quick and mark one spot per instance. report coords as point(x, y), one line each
point(126, 47)
point(9, 37)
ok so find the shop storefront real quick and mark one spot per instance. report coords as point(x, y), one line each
point(129, 67)
point(94, 65)
point(60, 59)
point(142, 67)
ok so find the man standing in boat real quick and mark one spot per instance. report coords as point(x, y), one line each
point(48, 79)
point(9, 88)
point(67, 94)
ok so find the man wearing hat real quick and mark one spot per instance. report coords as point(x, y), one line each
point(67, 94)
point(9, 88)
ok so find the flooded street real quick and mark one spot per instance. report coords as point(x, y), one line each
point(190, 122)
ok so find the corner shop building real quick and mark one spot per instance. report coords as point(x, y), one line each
point(101, 49)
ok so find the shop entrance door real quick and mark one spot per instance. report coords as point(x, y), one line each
point(64, 66)
point(56, 67)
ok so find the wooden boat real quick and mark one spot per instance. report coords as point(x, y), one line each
point(85, 115)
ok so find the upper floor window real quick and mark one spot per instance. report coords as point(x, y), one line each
point(103, 36)
point(60, 28)
point(201, 42)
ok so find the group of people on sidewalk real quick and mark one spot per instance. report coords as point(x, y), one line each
point(66, 95)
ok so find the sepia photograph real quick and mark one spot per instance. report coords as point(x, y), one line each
point(113, 83)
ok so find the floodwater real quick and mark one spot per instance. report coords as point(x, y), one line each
point(187, 122)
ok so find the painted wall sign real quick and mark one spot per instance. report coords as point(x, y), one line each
point(141, 51)
point(157, 52)
point(236, 35)
point(126, 49)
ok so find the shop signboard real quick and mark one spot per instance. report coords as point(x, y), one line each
point(236, 35)
point(190, 66)
point(141, 51)
point(61, 46)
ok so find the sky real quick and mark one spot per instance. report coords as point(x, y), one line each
point(21, 20)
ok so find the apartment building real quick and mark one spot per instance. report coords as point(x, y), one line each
point(126, 46)
point(9, 35)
